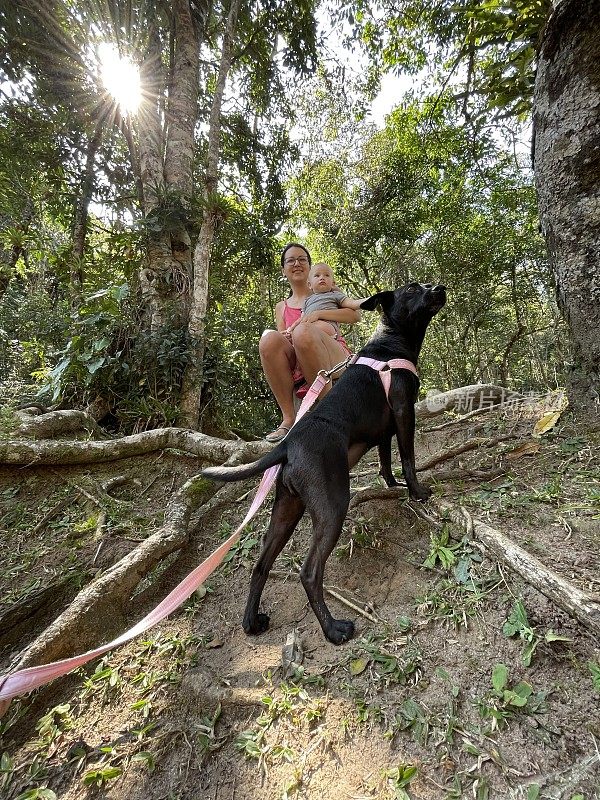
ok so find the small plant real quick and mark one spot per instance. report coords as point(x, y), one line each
point(103, 679)
point(518, 623)
point(52, 724)
point(594, 668)
point(100, 777)
point(503, 702)
point(389, 661)
point(450, 602)
point(207, 739)
point(441, 550)
point(38, 793)
point(398, 779)
point(411, 717)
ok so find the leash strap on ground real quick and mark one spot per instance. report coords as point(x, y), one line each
point(17, 683)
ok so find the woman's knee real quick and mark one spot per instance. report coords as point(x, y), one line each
point(304, 335)
point(270, 342)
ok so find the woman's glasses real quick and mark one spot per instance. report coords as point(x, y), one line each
point(301, 260)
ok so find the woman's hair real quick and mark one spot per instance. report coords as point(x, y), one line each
point(294, 244)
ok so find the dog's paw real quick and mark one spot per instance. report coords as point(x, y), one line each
point(420, 492)
point(389, 480)
point(341, 631)
point(256, 626)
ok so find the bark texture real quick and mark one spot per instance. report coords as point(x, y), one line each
point(166, 155)
point(217, 451)
point(567, 174)
point(192, 382)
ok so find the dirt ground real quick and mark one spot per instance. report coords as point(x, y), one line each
point(464, 682)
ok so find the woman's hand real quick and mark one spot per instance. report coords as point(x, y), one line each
point(314, 316)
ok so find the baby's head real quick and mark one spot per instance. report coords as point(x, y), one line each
point(320, 278)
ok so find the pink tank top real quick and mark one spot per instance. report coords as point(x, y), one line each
point(290, 314)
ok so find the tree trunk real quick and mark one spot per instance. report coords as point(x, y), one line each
point(81, 214)
point(166, 171)
point(567, 173)
point(192, 381)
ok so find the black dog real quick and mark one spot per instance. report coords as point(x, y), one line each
point(319, 451)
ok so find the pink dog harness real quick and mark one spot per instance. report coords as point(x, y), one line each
point(384, 368)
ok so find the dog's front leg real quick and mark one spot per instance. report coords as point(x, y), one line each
point(287, 512)
point(384, 449)
point(404, 413)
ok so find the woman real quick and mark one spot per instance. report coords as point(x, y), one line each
point(289, 359)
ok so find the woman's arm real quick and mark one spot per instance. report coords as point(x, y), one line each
point(279, 316)
point(346, 316)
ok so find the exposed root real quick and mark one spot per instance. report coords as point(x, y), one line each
point(465, 398)
point(29, 453)
point(107, 598)
point(56, 423)
point(470, 444)
point(580, 605)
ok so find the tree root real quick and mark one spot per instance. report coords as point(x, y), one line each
point(580, 605)
point(107, 598)
point(29, 453)
point(470, 444)
point(465, 398)
point(57, 423)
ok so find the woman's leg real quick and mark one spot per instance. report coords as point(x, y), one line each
point(327, 327)
point(278, 360)
point(316, 350)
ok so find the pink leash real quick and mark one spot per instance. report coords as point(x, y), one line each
point(25, 680)
point(18, 683)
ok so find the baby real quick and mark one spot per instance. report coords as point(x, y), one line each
point(325, 297)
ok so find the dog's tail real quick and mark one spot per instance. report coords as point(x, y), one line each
point(276, 456)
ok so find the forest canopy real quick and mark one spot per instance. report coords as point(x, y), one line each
point(140, 245)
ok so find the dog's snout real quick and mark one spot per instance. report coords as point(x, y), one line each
point(438, 288)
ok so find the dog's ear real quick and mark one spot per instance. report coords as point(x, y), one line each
point(383, 299)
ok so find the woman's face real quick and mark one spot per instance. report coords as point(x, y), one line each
point(295, 265)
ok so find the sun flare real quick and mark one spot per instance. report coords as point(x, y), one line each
point(121, 77)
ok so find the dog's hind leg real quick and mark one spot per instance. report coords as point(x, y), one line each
point(287, 512)
point(327, 526)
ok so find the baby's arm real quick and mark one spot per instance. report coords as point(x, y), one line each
point(352, 302)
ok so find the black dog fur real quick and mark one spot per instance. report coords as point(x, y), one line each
point(318, 453)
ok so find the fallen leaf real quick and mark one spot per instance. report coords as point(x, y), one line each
point(525, 449)
point(358, 665)
point(545, 423)
point(213, 644)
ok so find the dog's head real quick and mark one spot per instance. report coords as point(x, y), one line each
point(414, 303)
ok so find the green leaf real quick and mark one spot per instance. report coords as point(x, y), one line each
point(533, 792)
point(358, 665)
point(518, 695)
point(95, 365)
point(550, 636)
point(6, 763)
point(594, 668)
point(146, 757)
point(528, 652)
point(499, 677)
point(517, 620)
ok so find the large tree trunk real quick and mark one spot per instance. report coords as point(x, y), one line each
point(192, 382)
point(166, 170)
point(567, 174)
